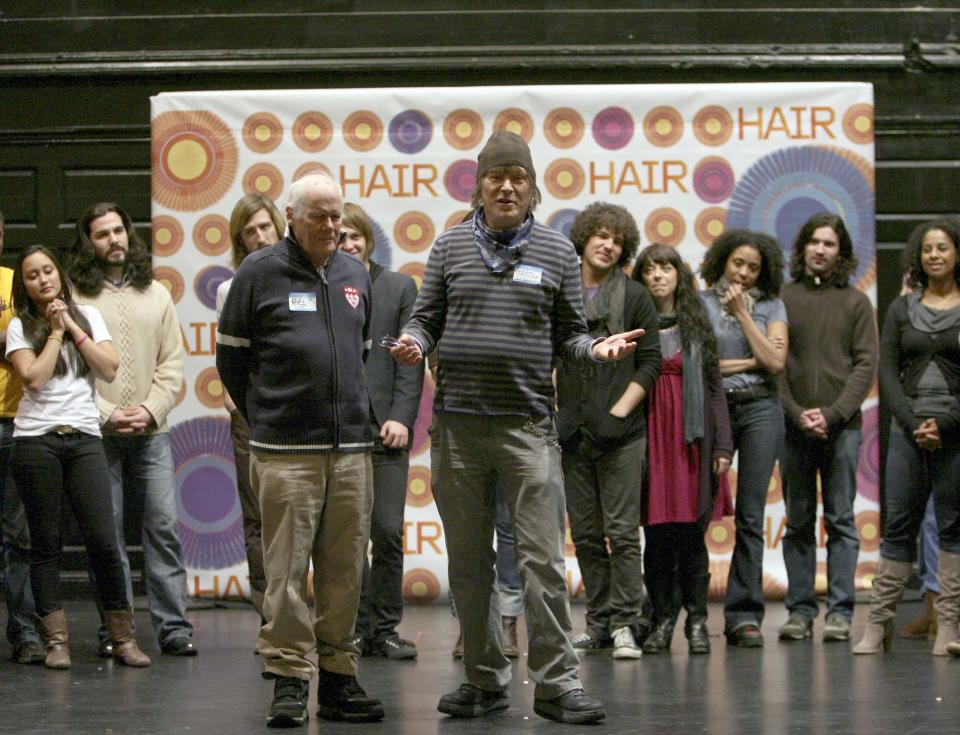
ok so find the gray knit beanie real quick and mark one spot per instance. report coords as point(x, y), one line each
point(505, 149)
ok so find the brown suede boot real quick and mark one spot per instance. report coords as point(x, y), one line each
point(888, 585)
point(511, 646)
point(948, 603)
point(53, 631)
point(924, 627)
point(125, 648)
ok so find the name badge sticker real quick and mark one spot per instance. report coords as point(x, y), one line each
point(530, 274)
point(303, 301)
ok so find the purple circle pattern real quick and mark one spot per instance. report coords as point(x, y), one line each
point(410, 131)
point(713, 180)
point(612, 128)
point(868, 470)
point(562, 220)
point(210, 523)
point(207, 282)
point(460, 178)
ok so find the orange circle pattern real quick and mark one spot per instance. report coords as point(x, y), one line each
point(564, 178)
point(415, 270)
point(362, 130)
point(312, 131)
point(209, 388)
point(311, 167)
point(868, 528)
point(463, 129)
point(721, 536)
point(420, 586)
point(713, 125)
point(709, 225)
point(663, 126)
point(665, 225)
point(563, 127)
point(414, 231)
point(182, 393)
point(193, 159)
point(263, 178)
point(858, 123)
point(262, 132)
point(455, 219)
point(211, 235)
point(419, 492)
point(171, 279)
point(516, 121)
point(167, 235)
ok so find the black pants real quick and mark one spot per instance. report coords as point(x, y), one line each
point(51, 470)
point(675, 556)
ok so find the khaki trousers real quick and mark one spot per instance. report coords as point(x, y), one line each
point(314, 507)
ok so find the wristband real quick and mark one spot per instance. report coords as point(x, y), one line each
point(82, 339)
point(56, 338)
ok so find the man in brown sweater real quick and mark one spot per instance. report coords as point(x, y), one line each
point(831, 365)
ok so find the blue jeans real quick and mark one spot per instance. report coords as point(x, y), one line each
point(141, 470)
point(509, 584)
point(912, 475)
point(16, 549)
point(758, 431)
point(929, 556)
point(835, 459)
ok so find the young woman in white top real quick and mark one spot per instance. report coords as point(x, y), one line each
point(58, 348)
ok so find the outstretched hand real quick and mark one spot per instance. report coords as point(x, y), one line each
point(407, 352)
point(617, 346)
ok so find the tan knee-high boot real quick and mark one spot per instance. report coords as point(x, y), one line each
point(888, 588)
point(948, 603)
point(125, 648)
point(53, 630)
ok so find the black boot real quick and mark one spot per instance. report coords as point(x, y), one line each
point(698, 638)
point(659, 639)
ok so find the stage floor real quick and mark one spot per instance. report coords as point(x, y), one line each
point(801, 687)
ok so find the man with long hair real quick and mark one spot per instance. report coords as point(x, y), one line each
point(831, 364)
point(111, 268)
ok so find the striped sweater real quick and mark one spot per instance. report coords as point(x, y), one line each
point(498, 337)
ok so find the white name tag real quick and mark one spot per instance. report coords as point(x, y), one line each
point(528, 274)
point(303, 302)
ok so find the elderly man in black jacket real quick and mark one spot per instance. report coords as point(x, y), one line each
point(394, 401)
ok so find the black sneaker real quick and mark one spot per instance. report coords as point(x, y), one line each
point(340, 697)
point(574, 707)
point(472, 701)
point(289, 707)
point(592, 643)
point(396, 648)
point(105, 648)
point(363, 644)
point(747, 636)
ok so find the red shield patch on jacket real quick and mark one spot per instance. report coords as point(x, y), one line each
point(353, 296)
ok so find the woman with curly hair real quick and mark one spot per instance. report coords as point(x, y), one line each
point(58, 348)
point(689, 448)
point(744, 271)
point(920, 382)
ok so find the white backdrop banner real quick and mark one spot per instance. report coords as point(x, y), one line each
point(686, 160)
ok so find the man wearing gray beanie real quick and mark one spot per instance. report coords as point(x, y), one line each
point(500, 300)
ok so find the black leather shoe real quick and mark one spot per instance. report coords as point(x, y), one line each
point(659, 639)
point(396, 648)
point(747, 636)
point(289, 706)
point(180, 646)
point(105, 648)
point(340, 697)
point(471, 701)
point(574, 707)
point(698, 637)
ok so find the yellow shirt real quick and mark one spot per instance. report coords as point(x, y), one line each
point(11, 388)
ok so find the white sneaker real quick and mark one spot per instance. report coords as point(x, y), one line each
point(625, 645)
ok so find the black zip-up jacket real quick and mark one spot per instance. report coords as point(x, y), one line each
point(586, 393)
point(291, 344)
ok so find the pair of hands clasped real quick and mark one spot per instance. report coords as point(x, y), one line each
point(927, 435)
point(407, 351)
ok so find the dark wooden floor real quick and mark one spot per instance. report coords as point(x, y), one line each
point(804, 687)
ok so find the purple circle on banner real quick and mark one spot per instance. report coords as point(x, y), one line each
point(868, 470)
point(207, 282)
point(460, 178)
point(612, 128)
point(410, 131)
point(713, 180)
point(562, 220)
point(210, 522)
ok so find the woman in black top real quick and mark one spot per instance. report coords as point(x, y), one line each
point(920, 382)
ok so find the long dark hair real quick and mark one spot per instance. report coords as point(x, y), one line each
point(35, 327)
point(692, 317)
point(911, 259)
point(85, 269)
point(846, 262)
point(771, 259)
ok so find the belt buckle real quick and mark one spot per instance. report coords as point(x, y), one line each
point(65, 430)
